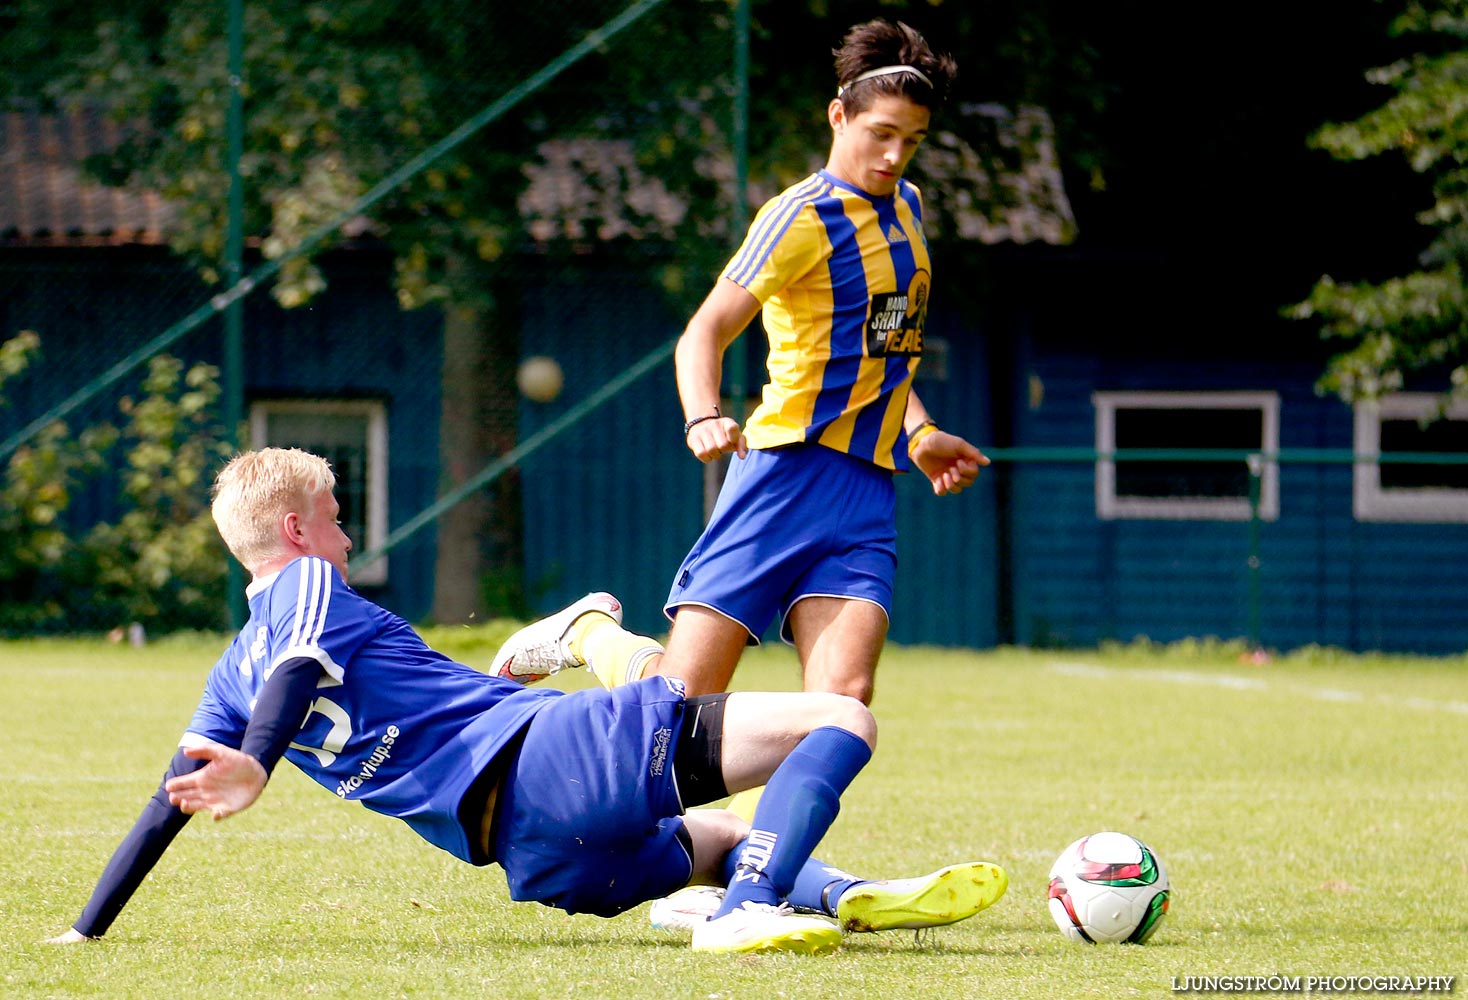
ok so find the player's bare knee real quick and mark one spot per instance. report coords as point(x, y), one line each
point(860, 688)
point(852, 715)
point(863, 723)
point(715, 832)
point(858, 684)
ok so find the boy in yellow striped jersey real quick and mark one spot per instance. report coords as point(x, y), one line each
point(805, 525)
point(838, 268)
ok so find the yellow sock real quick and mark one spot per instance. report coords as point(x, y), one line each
point(613, 654)
point(583, 626)
point(744, 803)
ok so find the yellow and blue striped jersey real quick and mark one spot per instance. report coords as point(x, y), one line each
point(842, 278)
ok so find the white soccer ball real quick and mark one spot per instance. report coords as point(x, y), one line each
point(1108, 888)
point(540, 378)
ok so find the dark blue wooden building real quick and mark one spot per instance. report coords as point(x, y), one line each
point(1046, 355)
point(1044, 552)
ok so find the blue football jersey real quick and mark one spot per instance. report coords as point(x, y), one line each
point(395, 725)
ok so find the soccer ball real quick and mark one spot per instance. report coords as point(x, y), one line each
point(1107, 888)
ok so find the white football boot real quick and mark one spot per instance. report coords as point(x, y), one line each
point(761, 927)
point(685, 909)
point(540, 648)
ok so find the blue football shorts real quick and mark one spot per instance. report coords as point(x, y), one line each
point(793, 522)
point(588, 815)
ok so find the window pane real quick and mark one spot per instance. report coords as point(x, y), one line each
point(1449, 436)
point(1148, 427)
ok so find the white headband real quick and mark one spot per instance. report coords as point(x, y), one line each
point(884, 71)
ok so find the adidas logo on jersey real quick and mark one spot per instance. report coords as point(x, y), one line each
point(895, 234)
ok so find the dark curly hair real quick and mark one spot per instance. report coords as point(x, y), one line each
point(879, 43)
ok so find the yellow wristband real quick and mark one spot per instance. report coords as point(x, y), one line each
point(918, 433)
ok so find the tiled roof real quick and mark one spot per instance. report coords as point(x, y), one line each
point(995, 178)
point(46, 198)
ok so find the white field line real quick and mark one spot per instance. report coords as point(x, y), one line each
point(1235, 682)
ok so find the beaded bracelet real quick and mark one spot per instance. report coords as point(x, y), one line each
point(698, 420)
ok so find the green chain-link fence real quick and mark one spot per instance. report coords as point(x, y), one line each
point(416, 184)
point(467, 241)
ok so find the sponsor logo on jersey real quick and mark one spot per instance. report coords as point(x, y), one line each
point(895, 234)
point(895, 320)
point(371, 763)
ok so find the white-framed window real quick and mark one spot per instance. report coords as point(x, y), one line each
point(1185, 490)
point(1410, 491)
point(351, 434)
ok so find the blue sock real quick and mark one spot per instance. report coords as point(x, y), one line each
point(800, 803)
point(818, 887)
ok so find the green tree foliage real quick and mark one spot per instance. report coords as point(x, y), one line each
point(35, 493)
point(161, 563)
point(1414, 323)
point(338, 94)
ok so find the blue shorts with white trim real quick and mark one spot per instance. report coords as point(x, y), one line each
point(587, 818)
point(793, 522)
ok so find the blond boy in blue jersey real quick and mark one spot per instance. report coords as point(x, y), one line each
point(540, 782)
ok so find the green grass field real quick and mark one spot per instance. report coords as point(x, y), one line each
point(1310, 811)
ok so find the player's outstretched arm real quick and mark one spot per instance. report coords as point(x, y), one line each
point(235, 781)
point(134, 858)
point(229, 782)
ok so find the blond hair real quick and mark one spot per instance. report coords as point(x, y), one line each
point(258, 488)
